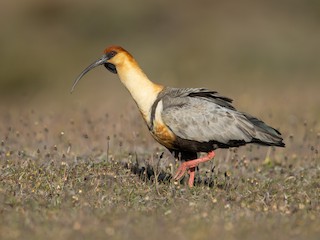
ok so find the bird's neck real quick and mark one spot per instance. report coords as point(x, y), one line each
point(143, 91)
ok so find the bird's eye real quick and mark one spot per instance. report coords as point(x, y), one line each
point(111, 54)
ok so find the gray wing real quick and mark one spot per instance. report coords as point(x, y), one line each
point(204, 119)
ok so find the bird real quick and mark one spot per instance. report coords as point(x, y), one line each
point(187, 121)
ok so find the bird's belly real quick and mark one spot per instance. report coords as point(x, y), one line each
point(163, 135)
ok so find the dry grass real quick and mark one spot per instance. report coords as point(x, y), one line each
point(67, 176)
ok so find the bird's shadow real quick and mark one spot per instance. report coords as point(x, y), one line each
point(151, 172)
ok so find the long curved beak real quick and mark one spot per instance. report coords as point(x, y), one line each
point(99, 62)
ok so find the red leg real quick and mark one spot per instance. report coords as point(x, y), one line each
point(191, 165)
point(191, 173)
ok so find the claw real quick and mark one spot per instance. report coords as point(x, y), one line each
point(181, 171)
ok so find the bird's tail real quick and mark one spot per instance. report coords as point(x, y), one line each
point(265, 135)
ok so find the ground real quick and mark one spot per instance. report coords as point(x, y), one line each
point(64, 176)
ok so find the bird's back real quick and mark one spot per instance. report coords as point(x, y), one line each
point(202, 120)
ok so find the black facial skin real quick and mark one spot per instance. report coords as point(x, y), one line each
point(111, 54)
point(112, 68)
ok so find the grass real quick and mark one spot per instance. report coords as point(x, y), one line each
point(85, 198)
point(59, 182)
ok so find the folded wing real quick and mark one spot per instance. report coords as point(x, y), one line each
point(202, 115)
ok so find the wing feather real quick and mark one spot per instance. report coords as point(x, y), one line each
point(203, 120)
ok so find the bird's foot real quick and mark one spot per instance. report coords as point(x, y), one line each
point(191, 167)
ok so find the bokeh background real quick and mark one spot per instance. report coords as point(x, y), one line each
point(240, 48)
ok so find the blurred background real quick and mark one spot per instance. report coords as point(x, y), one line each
point(252, 51)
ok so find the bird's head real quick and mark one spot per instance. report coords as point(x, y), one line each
point(112, 58)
